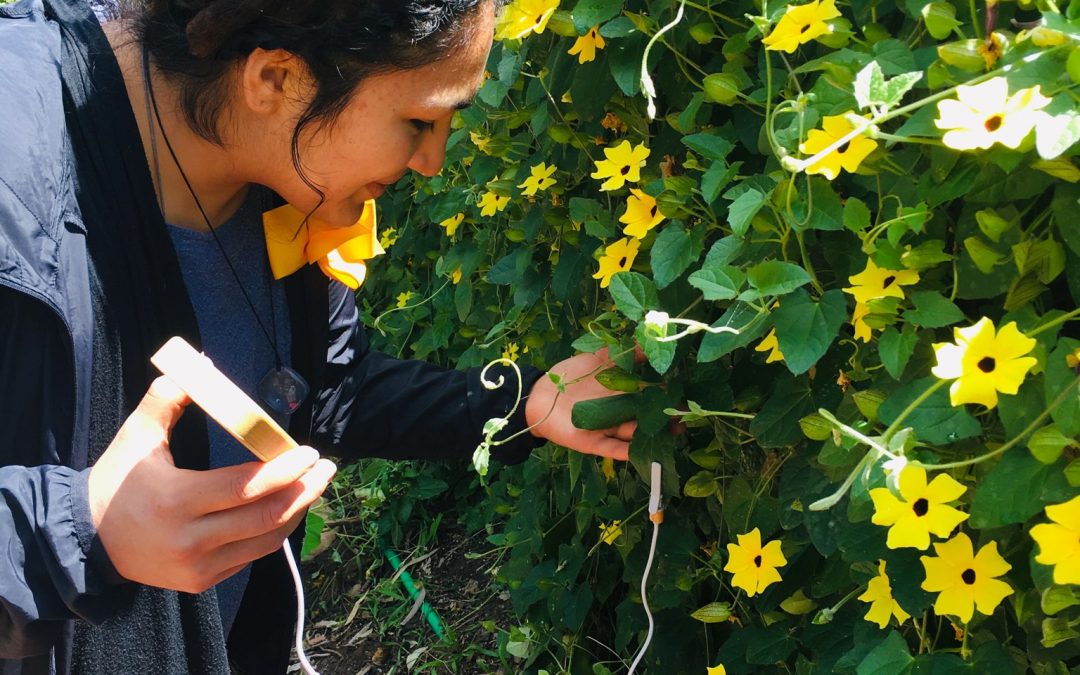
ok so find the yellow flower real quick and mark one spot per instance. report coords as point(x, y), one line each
point(991, 49)
point(617, 258)
point(388, 238)
point(1059, 543)
point(490, 203)
point(983, 363)
point(847, 157)
point(770, 342)
point(985, 114)
point(875, 282)
point(862, 329)
point(523, 17)
point(716, 670)
point(1072, 359)
point(922, 510)
point(511, 351)
point(882, 604)
point(801, 24)
point(403, 298)
point(753, 565)
point(585, 47)
point(479, 141)
point(641, 214)
point(965, 581)
point(451, 224)
point(539, 180)
point(623, 165)
point(607, 467)
point(456, 276)
point(609, 533)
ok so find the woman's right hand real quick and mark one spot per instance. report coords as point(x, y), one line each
point(187, 530)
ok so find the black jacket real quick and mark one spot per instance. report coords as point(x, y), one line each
point(89, 288)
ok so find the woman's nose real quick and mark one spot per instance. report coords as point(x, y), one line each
point(431, 153)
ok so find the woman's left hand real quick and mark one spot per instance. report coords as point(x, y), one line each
point(557, 426)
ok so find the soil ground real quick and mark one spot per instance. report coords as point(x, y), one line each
point(359, 632)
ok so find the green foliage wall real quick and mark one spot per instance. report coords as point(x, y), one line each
point(853, 269)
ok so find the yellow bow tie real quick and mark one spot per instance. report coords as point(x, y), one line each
point(339, 251)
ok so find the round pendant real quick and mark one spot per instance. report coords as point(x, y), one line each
point(283, 390)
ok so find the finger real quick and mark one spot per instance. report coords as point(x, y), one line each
point(162, 405)
point(625, 431)
point(606, 446)
point(269, 514)
point(232, 486)
point(236, 555)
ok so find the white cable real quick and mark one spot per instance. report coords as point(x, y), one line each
point(656, 515)
point(304, 663)
point(644, 600)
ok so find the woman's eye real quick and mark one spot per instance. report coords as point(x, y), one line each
point(422, 125)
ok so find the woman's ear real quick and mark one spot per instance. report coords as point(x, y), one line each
point(273, 81)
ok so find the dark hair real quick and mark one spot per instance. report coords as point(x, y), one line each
point(198, 43)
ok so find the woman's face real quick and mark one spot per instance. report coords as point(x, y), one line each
point(393, 123)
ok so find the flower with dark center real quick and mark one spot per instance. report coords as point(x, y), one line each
point(965, 580)
point(984, 362)
point(920, 510)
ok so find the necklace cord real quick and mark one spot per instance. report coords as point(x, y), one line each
point(165, 137)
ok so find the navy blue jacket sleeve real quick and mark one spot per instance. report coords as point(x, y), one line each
point(51, 567)
point(381, 406)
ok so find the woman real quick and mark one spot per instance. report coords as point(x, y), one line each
point(134, 171)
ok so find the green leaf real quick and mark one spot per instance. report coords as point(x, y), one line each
point(805, 328)
point(672, 253)
point(984, 257)
point(716, 179)
point(709, 145)
point(1057, 598)
point(895, 347)
point(777, 423)
point(871, 88)
point(895, 57)
point(856, 215)
point(634, 294)
point(935, 420)
point(743, 209)
point(768, 645)
point(717, 282)
point(701, 484)
point(660, 354)
point(1047, 444)
point(890, 657)
point(724, 251)
point(1013, 490)
point(822, 211)
point(589, 13)
point(1059, 376)
point(314, 524)
point(750, 323)
point(992, 224)
point(932, 310)
point(604, 413)
point(775, 277)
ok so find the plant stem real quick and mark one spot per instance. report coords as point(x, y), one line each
point(1054, 322)
point(911, 408)
point(1008, 446)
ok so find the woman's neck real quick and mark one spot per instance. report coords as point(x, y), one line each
point(213, 171)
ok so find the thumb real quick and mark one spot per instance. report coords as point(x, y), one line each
point(162, 406)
